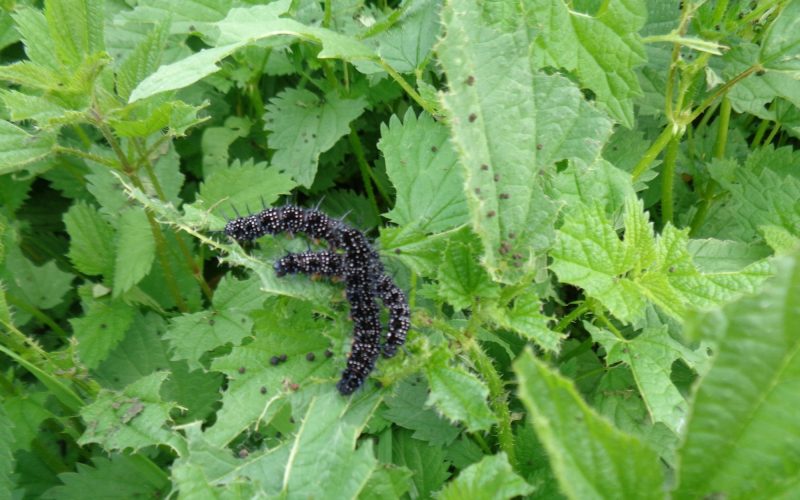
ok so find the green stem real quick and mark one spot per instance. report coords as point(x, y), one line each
point(699, 216)
point(760, 131)
point(572, 316)
point(38, 314)
point(408, 88)
point(668, 180)
point(722, 91)
point(498, 398)
point(187, 256)
point(58, 149)
point(772, 133)
point(326, 20)
point(161, 252)
point(722, 130)
point(364, 167)
point(610, 326)
point(652, 152)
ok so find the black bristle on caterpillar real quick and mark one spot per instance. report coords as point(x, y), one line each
point(360, 267)
point(331, 264)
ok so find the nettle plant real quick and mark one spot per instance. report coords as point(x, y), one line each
point(591, 207)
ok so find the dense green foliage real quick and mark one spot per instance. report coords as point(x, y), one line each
point(592, 205)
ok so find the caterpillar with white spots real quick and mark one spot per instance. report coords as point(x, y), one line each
point(351, 258)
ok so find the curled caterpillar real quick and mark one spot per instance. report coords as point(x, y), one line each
point(331, 264)
point(360, 267)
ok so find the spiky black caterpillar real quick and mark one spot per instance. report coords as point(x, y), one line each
point(358, 265)
point(331, 264)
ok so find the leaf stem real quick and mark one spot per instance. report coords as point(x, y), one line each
point(187, 256)
point(363, 167)
point(498, 398)
point(58, 149)
point(652, 152)
point(38, 314)
point(572, 316)
point(668, 180)
point(722, 130)
point(407, 87)
point(722, 91)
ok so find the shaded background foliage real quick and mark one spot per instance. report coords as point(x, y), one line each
point(592, 205)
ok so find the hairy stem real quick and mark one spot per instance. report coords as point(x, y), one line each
point(668, 180)
point(652, 152)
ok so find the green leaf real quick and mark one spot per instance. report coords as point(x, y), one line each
point(423, 168)
point(490, 478)
point(244, 185)
point(407, 44)
point(508, 127)
point(19, 148)
point(602, 182)
point(142, 119)
point(27, 107)
point(101, 329)
point(41, 286)
point(525, 318)
point(323, 456)
point(228, 322)
point(406, 408)
point(650, 356)
point(624, 275)
point(6, 456)
point(8, 35)
point(217, 140)
point(426, 461)
point(143, 351)
point(753, 94)
point(460, 396)
point(136, 250)
point(780, 48)
point(143, 61)
point(386, 481)
point(302, 126)
point(591, 458)
point(757, 199)
point(35, 34)
point(244, 26)
point(602, 48)
point(90, 240)
point(461, 281)
point(208, 471)
point(76, 27)
point(745, 407)
point(123, 476)
point(132, 418)
point(283, 326)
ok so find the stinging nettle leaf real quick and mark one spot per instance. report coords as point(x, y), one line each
point(624, 274)
point(101, 329)
point(650, 356)
point(460, 396)
point(19, 148)
point(244, 185)
point(303, 125)
point(90, 240)
point(244, 26)
point(510, 124)
point(745, 408)
point(492, 477)
point(602, 49)
point(136, 250)
point(130, 419)
point(424, 170)
point(590, 457)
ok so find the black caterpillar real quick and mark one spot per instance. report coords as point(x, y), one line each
point(350, 258)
